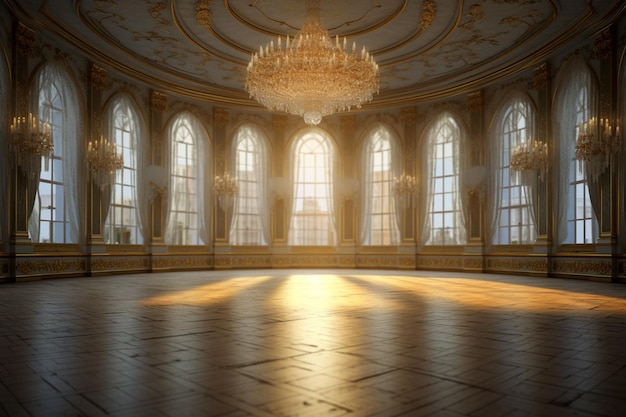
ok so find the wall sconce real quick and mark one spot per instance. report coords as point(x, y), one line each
point(473, 182)
point(405, 188)
point(103, 160)
point(595, 145)
point(531, 155)
point(279, 187)
point(31, 140)
point(226, 189)
point(348, 187)
point(157, 179)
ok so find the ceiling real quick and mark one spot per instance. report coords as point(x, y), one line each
point(425, 48)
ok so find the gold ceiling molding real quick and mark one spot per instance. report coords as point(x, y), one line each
point(158, 101)
point(475, 102)
point(541, 76)
point(603, 45)
point(24, 39)
point(98, 77)
point(203, 13)
point(429, 11)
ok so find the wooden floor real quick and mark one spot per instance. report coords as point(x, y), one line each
point(313, 343)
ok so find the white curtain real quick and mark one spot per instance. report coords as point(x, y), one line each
point(444, 124)
point(517, 104)
point(575, 78)
point(379, 133)
point(297, 168)
point(204, 186)
point(139, 153)
point(71, 143)
point(261, 169)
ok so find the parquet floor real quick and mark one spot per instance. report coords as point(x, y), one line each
point(313, 343)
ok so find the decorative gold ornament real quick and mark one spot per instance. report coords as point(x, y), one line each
point(595, 145)
point(529, 156)
point(311, 75)
point(103, 160)
point(405, 189)
point(226, 189)
point(31, 140)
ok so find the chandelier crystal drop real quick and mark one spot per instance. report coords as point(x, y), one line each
point(312, 75)
point(596, 143)
point(31, 141)
point(103, 160)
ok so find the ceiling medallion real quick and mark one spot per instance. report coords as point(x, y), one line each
point(312, 75)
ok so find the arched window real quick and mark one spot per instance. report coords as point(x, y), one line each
point(55, 216)
point(250, 225)
point(514, 219)
point(444, 221)
point(380, 166)
point(123, 223)
point(186, 223)
point(575, 104)
point(312, 217)
point(4, 159)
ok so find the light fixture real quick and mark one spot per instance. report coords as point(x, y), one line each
point(31, 140)
point(405, 188)
point(312, 75)
point(531, 155)
point(103, 160)
point(226, 189)
point(595, 144)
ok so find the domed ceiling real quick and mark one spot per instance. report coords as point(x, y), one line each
point(425, 48)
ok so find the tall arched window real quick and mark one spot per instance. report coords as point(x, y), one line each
point(123, 224)
point(444, 220)
point(55, 216)
point(514, 218)
point(4, 159)
point(250, 225)
point(575, 104)
point(380, 166)
point(312, 217)
point(186, 223)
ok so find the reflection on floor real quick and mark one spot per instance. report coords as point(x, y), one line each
point(312, 343)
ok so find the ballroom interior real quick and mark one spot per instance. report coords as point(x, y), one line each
point(447, 239)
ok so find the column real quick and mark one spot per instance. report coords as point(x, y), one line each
point(541, 82)
point(220, 122)
point(475, 195)
point(158, 191)
point(278, 173)
point(96, 210)
point(348, 220)
point(409, 215)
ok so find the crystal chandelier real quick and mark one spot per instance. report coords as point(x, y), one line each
point(595, 144)
point(531, 155)
point(311, 74)
point(31, 140)
point(226, 189)
point(405, 188)
point(103, 160)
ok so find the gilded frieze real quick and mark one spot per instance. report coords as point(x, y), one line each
point(49, 266)
point(185, 262)
point(508, 264)
point(24, 39)
point(440, 262)
point(119, 264)
point(583, 266)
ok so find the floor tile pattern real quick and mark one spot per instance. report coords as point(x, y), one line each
point(313, 343)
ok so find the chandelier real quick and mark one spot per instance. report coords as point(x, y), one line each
point(531, 155)
point(103, 160)
point(595, 144)
point(405, 188)
point(226, 189)
point(31, 140)
point(312, 75)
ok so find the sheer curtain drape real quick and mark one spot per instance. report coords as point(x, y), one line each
point(54, 74)
point(442, 168)
point(381, 162)
point(202, 167)
point(513, 124)
point(255, 168)
point(576, 83)
point(312, 202)
point(138, 154)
